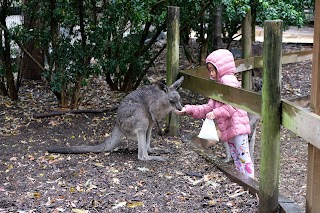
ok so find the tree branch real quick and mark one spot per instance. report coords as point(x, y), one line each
point(78, 111)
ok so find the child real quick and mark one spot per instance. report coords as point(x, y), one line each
point(233, 123)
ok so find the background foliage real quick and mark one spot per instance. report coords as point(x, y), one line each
point(115, 39)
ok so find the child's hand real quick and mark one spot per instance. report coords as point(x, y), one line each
point(181, 112)
point(210, 115)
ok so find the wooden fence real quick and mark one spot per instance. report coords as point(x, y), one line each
point(299, 120)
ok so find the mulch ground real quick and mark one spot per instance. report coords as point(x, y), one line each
point(33, 180)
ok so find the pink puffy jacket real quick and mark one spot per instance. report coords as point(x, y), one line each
point(231, 121)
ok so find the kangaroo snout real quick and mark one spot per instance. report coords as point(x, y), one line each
point(179, 106)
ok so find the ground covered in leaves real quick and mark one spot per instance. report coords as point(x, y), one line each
point(33, 180)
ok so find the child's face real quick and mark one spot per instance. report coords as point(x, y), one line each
point(212, 71)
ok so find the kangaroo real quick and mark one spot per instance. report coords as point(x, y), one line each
point(136, 115)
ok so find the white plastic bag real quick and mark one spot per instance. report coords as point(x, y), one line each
point(208, 130)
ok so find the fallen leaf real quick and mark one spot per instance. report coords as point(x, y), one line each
point(135, 204)
point(116, 180)
point(80, 211)
point(143, 169)
point(37, 195)
point(9, 168)
point(50, 201)
point(237, 194)
point(13, 159)
point(118, 205)
point(98, 164)
point(212, 202)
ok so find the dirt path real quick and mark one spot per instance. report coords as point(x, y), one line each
point(34, 181)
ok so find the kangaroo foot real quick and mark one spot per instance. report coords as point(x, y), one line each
point(157, 150)
point(157, 158)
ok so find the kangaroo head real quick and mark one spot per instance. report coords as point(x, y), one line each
point(174, 99)
point(172, 93)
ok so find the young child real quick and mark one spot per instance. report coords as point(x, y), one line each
point(233, 123)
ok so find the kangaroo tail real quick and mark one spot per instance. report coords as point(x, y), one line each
point(110, 143)
point(78, 149)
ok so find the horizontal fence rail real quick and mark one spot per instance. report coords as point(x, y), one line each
point(241, 98)
point(257, 62)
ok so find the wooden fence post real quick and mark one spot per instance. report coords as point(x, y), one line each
point(313, 178)
point(247, 49)
point(173, 36)
point(270, 132)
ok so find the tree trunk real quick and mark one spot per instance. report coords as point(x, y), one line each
point(6, 56)
point(129, 79)
point(217, 29)
point(8, 69)
point(253, 19)
point(203, 43)
point(30, 70)
point(54, 64)
point(3, 89)
point(76, 90)
point(203, 51)
point(246, 43)
point(76, 93)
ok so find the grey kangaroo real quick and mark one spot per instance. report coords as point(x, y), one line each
point(136, 115)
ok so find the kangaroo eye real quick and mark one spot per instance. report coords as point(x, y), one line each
point(172, 102)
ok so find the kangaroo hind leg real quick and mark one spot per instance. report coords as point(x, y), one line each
point(155, 150)
point(143, 147)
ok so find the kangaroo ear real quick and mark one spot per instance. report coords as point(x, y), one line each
point(162, 86)
point(177, 83)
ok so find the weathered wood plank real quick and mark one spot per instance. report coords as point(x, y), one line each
point(173, 35)
point(313, 184)
point(200, 71)
point(271, 121)
point(302, 122)
point(303, 101)
point(247, 49)
point(287, 58)
point(286, 205)
point(295, 57)
point(257, 62)
point(246, 64)
point(315, 82)
point(241, 98)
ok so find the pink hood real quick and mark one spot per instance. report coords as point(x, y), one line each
point(223, 60)
point(231, 121)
